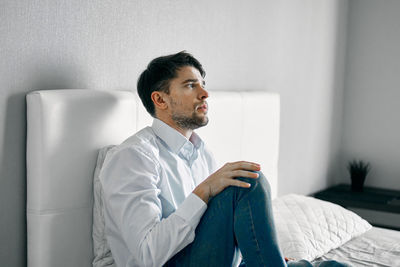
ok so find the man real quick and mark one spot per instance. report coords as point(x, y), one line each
point(165, 202)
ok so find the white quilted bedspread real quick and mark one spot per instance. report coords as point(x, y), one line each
point(308, 228)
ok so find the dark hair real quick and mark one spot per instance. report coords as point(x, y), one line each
point(158, 74)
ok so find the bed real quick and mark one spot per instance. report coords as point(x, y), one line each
point(66, 129)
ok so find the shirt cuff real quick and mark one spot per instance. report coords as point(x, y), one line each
point(192, 209)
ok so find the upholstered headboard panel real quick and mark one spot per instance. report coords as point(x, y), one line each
point(245, 126)
point(66, 128)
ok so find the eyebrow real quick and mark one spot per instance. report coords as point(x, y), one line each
point(193, 81)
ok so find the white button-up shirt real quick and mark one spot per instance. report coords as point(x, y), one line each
point(150, 210)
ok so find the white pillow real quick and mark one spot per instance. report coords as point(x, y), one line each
point(101, 249)
point(308, 228)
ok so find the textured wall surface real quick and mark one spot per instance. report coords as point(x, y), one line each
point(309, 71)
point(371, 126)
point(290, 47)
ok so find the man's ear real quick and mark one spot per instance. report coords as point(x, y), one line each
point(158, 99)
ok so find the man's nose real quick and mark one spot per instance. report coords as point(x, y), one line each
point(203, 93)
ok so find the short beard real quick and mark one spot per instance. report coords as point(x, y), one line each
point(191, 123)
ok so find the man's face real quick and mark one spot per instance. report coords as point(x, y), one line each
point(187, 99)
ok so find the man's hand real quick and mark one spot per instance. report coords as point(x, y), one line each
point(224, 177)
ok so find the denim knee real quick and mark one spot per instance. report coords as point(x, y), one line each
point(260, 184)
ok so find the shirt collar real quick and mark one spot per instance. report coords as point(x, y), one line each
point(173, 138)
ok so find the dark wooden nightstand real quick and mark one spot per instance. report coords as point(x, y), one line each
point(380, 207)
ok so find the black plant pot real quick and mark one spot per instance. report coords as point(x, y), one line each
point(357, 183)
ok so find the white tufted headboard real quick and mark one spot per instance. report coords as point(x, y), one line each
point(66, 128)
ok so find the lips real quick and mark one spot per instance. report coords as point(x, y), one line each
point(203, 107)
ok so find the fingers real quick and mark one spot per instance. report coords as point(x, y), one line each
point(242, 173)
point(239, 183)
point(224, 177)
point(243, 165)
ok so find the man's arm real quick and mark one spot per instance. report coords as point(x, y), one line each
point(130, 181)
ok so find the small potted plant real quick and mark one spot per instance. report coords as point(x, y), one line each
point(358, 172)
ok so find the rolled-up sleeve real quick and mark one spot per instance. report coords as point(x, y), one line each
point(130, 179)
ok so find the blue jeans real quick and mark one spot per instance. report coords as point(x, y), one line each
point(238, 218)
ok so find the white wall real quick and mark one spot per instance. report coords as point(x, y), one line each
point(308, 71)
point(290, 47)
point(372, 91)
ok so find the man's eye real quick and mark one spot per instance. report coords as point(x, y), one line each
point(190, 85)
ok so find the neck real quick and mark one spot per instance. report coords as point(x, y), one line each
point(185, 132)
